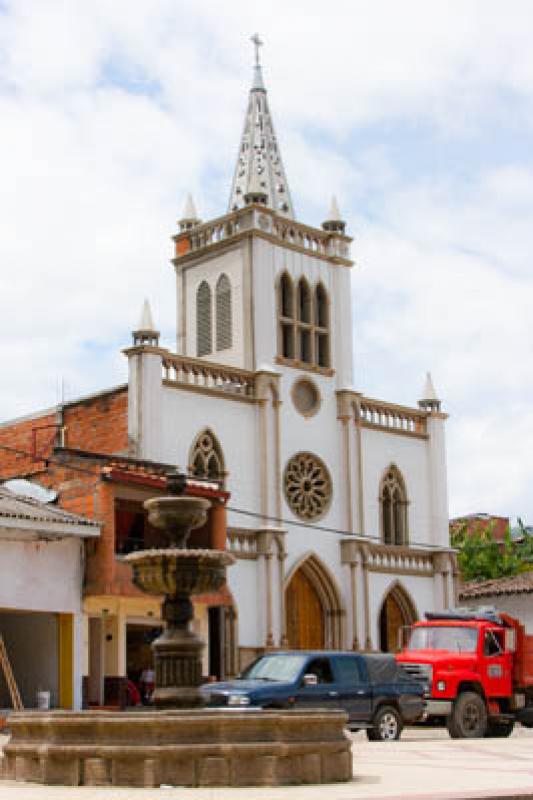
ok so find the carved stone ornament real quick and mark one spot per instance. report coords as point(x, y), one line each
point(308, 486)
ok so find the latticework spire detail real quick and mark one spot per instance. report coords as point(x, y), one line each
point(259, 165)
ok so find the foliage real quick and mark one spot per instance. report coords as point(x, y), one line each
point(482, 557)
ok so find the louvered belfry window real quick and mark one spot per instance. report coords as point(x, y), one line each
point(203, 320)
point(223, 306)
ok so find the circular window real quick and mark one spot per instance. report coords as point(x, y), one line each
point(306, 397)
point(308, 486)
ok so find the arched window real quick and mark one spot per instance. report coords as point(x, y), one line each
point(223, 306)
point(303, 321)
point(393, 503)
point(286, 316)
point(206, 460)
point(303, 305)
point(322, 327)
point(203, 320)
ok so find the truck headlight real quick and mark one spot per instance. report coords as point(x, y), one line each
point(441, 686)
point(238, 700)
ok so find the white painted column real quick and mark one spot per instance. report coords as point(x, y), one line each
point(340, 314)
point(79, 661)
point(145, 392)
point(438, 486)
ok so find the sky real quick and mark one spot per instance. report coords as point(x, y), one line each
point(417, 115)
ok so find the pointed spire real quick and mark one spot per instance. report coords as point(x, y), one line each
point(146, 333)
point(189, 218)
point(429, 400)
point(146, 323)
point(334, 223)
point(259, 163)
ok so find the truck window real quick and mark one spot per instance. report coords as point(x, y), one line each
point(451, 638)
point(492, 646)
point(347, 670)
point(321, 668)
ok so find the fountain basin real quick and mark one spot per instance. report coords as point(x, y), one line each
point(173, 571)
point(180, 748)
point(177, 516)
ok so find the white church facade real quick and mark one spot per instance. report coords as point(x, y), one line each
point(338, 514)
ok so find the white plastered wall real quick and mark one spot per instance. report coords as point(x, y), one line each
point(380, 450)
point(46, 577)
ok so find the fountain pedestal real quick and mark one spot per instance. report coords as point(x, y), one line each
point(177, 574)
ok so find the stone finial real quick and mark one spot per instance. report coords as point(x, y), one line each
point(334, 223)
point(190, 218)
point(429, 400)
point(146, 332)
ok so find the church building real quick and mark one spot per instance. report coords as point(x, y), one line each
point(334, 504)
point(338, 514)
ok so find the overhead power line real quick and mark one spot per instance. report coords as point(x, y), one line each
point(281, 521)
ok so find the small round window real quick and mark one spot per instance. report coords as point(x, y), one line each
point(306, 397)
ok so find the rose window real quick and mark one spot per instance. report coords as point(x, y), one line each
point(307, 486)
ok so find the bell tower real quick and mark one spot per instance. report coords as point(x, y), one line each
point(256, 287)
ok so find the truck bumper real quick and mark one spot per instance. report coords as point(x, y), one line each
point(438, 708)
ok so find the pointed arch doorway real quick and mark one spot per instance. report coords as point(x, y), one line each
point(397, 610)
point(313, 607)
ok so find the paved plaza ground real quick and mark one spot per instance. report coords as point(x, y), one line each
point(424, 764)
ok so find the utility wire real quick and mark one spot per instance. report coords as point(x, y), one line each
point(254, 514)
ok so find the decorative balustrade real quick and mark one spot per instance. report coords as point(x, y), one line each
point(312, 240)
point(242, 543)
point(399, 559)
point(400, 419)
point(201, 375)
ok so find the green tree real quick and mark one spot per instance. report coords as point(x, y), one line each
point(482, 557)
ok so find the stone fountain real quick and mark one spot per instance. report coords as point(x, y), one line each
point(178, 573)
point(180, 743)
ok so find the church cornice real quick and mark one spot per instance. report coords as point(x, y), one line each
point(258, 221)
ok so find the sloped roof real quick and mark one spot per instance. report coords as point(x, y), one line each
point(28, 512)
point(516, 584)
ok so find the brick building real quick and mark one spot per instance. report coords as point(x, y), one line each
point(81, 450)
point(479, 523)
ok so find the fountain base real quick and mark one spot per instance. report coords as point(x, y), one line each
point(218, 747)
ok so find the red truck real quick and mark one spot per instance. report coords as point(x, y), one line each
point(478, 669)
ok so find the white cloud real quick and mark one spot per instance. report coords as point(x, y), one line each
point(112, 110)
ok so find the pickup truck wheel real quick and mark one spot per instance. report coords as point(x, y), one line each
point(386, 727)
point(468, 719)
point(499, 730)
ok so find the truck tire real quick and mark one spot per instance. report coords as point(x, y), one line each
point(386, 726)
point(499, 730)
point(468, 719)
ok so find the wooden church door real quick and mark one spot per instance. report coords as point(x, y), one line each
point(392, 619)
point(305, 615)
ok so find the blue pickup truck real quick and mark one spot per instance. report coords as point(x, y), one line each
point(373, 689)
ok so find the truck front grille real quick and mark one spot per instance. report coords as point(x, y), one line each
point(423, 673)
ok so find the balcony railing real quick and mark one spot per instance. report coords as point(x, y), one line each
point(399, 419)
point(194, 373)
point(311, 240)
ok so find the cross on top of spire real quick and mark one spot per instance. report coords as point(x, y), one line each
point(257, 44)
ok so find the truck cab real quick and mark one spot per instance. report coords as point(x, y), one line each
point(468, 661)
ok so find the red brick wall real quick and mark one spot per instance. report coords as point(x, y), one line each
point(100, 424)
point(23, 437)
